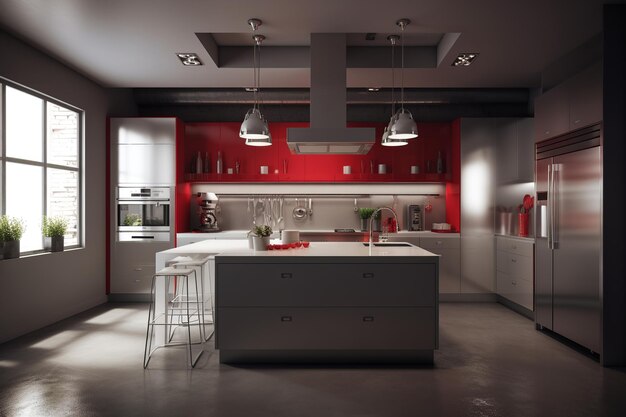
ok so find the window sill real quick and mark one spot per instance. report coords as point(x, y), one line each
point(43, 253)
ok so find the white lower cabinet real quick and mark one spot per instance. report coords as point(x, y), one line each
point(450, 262)
point(514, 270)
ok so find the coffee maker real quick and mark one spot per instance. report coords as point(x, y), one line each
point(204, 212)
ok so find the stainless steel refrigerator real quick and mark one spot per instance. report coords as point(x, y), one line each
point(568, 233)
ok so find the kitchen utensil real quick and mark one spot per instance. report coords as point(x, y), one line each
point(356, 206)
point(310, 210)
point(382, 168)
point(264, 170)
point(299, 212)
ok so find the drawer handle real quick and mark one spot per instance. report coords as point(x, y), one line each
point(368, 275)
point(286, 318)
point(514, 260)
point(286, 275)
point(368, 318)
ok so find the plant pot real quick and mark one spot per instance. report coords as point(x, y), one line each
point(260, 243)
point(54, 243)
point(11, 249)
point(365, 223)
point(522, 219)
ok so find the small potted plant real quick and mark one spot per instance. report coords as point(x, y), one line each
point(260, 237)
point(53, 230)
point(11, 231)
point(365, 213)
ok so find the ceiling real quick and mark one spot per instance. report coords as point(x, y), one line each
point(132, 43)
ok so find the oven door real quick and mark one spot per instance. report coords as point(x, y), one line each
point(143, 216)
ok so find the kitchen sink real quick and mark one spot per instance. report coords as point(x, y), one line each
point(390, 244)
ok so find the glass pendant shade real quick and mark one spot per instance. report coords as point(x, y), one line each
point(254, 126)
point(403, 127)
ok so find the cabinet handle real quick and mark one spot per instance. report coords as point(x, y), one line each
point(514, 282)
point(576, 121)
point(138, 269)
point(514, 260)
point(286, 275)
point(368, 275)
point(285, 318)
point(368, 318)
point(439, 242)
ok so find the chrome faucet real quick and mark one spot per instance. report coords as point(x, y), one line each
point(374, 215)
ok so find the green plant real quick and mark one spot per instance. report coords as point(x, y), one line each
point(365, 212)
point(11, 228)
point(132, 220)
point(54, 226)
point(261, 231)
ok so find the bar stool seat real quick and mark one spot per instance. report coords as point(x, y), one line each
point(182, 307)
point(200, 298)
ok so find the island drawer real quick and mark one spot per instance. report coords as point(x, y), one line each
point(440, 243)
point(326, 328)
point(313, 285)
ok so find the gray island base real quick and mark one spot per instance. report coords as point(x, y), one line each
point(330, 303)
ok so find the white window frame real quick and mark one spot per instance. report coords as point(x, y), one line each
point(4, 159)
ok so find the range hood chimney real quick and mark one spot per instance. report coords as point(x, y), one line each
point(328, 133)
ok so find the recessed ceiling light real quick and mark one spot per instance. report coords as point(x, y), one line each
point(464, 59)
point(250, 89)
point(373, 89)
point(189, 59)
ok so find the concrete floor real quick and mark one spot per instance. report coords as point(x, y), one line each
point(491, 362)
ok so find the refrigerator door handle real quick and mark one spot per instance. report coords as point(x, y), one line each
point(556, 168)
point(550, 204)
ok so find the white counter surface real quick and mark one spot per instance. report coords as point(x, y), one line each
point(334, 249)
point(239, 247)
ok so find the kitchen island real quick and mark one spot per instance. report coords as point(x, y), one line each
point(331, 302)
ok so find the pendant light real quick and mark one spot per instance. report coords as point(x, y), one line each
point(403, 127)
point(385, 140)
point(254, 128)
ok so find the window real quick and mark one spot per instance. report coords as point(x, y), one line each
point(41, 164)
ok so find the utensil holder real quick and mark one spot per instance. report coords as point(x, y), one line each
point(522, 219)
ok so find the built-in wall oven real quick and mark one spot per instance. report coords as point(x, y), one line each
point(143, 214)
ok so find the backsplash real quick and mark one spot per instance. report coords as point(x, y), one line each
point(335, 209)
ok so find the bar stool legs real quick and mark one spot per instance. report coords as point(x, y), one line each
point(200, 297)
point(183, 308)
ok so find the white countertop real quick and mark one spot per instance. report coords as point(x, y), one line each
point(335, 249)
point(238, 247)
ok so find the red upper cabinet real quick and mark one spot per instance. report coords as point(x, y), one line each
point(283, 166)
point(292, 167)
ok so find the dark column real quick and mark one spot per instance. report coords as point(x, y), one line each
point(614, 158)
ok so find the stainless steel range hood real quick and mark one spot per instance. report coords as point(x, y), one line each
point(328, 133)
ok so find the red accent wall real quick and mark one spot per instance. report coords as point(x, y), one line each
point(453, 186)
point(211, 138)
point(435, 139)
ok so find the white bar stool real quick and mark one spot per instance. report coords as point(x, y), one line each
point(183, 308)
point(200, 298)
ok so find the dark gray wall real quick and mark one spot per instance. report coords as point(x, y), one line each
point(614, 155)
point(40, 290)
